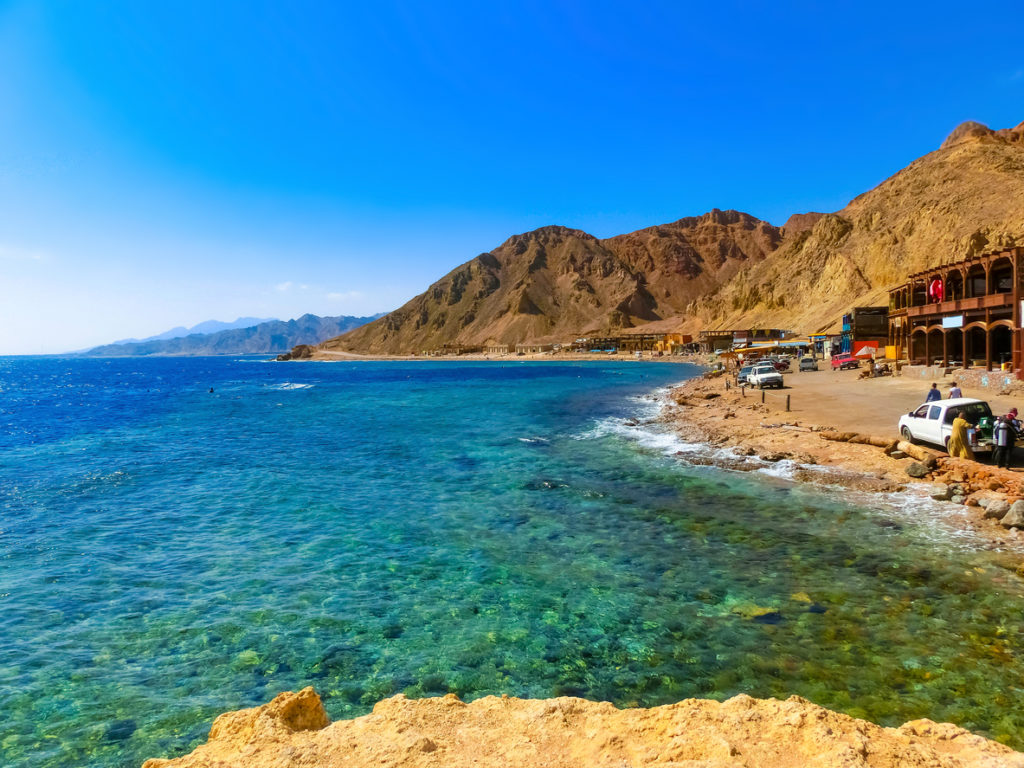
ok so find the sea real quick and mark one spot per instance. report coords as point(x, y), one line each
point(184, 537)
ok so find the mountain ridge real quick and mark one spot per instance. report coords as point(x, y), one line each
point(263, 338)
point(724, 268)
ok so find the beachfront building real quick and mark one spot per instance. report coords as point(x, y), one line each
point(966, 313)
point(865, 330)
point(495, 348)
point(717, 341)
point(534, 349)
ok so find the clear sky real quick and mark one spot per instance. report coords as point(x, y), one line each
point(162, 164)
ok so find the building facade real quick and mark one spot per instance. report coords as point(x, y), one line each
point(966, 313)
point(864, 330)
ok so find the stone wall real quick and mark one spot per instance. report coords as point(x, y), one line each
point(970, 379)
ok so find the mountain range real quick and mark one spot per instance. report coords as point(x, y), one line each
point(725, 268)
point(209, 326)
point(262, 337)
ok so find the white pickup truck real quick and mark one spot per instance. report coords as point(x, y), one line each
point(764, 375)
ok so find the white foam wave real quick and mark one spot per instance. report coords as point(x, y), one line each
point(293, 385)
point(941, 522)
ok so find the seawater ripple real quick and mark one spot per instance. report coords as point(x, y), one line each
point(168, 553)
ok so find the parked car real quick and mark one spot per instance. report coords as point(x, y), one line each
point(844, 361)
point(765, 375)
point(933, 422)
point(781, 364)
point(741, 377)
point(808, 364)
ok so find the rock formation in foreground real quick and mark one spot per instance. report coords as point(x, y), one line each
point(293, 730)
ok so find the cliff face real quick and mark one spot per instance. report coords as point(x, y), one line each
point(556, 283)
point(963, 199)
point(293, 730)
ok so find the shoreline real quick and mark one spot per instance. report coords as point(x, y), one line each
point(732, 429)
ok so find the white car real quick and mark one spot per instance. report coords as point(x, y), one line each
point(764, 375)
point(933, 422)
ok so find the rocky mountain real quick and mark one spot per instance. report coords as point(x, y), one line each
point(965, 198)
point(724, 269)
point(556, 283)
point(262, 338)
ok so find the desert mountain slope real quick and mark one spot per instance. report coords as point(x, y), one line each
point(555, 283)
point(725, 269)
point(963, 199)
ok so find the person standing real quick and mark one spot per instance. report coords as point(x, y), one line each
point(957, 446)
point(954, 391)
point(1004, 435)
point(933, 394)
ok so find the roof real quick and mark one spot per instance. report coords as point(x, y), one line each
point(955, 401)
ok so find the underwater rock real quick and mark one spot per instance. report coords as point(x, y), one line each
point(293, 730)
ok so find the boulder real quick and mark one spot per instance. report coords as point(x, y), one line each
point(916, 469)
point(898, 455)
point(996, 509)
point(940, 492)
point(1015, 517)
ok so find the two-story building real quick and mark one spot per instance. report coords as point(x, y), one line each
point(966, 313)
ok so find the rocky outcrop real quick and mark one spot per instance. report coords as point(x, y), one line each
point(293, 731)
point(298, 352)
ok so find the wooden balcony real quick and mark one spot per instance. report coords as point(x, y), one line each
point(963, 305)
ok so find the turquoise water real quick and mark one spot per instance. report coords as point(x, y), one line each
point(168, 553)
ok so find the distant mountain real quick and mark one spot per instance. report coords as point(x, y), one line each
point(262, 338)
point(209, 326)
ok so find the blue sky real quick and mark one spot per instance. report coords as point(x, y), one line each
point(162, 164)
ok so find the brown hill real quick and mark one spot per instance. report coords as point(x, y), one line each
point(724, 269)
point(556, 283)
point(965, 198)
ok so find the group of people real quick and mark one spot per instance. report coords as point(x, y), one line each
point(935, 394)
point(1005, 431)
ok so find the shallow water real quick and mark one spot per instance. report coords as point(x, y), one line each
point(167, 554)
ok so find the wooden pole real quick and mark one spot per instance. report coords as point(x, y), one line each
point(787, 403)
point(762, 395)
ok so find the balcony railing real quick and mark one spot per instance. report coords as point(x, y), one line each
point(963, 305)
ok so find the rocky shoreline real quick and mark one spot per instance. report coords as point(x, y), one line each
point(743, 433)
point(293, 730)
